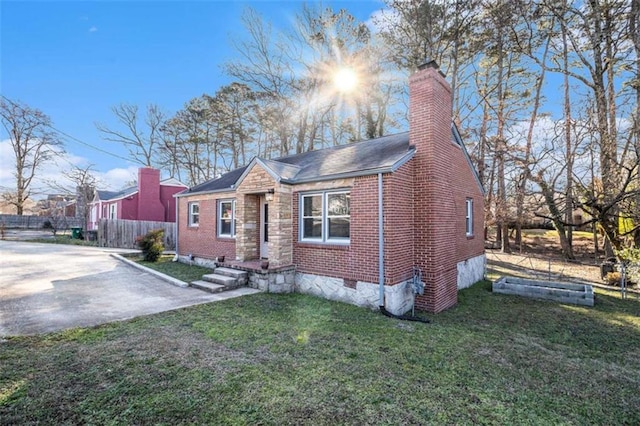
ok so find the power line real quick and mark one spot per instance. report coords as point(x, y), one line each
point(73, 138)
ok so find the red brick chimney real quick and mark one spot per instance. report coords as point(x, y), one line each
point(149, 205)
point(430, 115)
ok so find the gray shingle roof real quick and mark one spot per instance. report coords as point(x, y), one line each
point(112, 195)
point(361, 158)
point(103, 195)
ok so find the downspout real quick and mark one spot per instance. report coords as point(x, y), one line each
point(383, 310)
point(380, 243)
point(176, 224)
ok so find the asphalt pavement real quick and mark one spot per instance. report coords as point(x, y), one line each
point(52, 287)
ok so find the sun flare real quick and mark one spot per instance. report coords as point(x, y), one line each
point(345, 80)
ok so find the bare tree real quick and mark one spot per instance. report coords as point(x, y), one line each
point(77, 183)
point(33, 141)
point(141, 135)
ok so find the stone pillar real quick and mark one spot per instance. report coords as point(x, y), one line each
point(247, 237)
point(281, 227)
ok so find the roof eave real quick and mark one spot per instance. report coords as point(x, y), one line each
point(359, 173)
point(474, 171)
point(121, 197)
point(212, 191)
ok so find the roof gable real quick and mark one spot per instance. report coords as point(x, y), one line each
point(172, 182)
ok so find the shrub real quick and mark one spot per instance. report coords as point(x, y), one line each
point(151, 245)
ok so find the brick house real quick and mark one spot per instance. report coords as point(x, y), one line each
point(151, 199)
point(318, 216)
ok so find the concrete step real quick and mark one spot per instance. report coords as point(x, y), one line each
point(208, 286)
point(230, 272)
point(220, 279)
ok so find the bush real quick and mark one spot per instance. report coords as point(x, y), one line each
point(151, 245)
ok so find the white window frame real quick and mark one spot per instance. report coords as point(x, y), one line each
point(113, 211)
point(469, 217)
point(233, 218)
point(324, 234)
point(194, 216)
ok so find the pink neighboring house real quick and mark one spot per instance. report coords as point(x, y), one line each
point(150, 200)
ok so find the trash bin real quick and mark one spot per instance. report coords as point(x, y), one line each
point(76, 233)
point(606, 268)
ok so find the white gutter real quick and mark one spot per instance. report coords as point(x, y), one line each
point(380, 242)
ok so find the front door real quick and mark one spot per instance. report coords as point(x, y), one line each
point(264, 228)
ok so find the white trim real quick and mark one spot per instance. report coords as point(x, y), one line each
point(191, 214)
point(468, 217)
point(324, 218)
point(232, 218)
point(264, 226)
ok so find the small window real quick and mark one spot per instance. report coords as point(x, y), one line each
point(312, 217)
point(326, 217)
point(112, 211)
point(194, 214)
point(469, 217)
point(338, 217)
point(227, 218)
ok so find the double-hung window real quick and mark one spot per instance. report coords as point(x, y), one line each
point(325, 217)
point(112, 211)
point(227, 218)
point(194, 214)
point(469, 217)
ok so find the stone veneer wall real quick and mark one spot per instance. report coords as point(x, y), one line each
point(471, 271)
point(398, 298)
point(280, 280)
point(249, 193)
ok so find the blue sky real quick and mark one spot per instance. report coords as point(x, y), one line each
point(74, 60)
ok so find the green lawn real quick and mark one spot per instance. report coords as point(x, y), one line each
point(295, 359)
point(181, 271)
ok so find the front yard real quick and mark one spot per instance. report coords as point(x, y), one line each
point(294, 359)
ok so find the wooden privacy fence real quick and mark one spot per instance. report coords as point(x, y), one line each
point(120, 233)
point(14, 221)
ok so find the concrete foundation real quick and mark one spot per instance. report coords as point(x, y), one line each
point(398, 298)
point(471, 271)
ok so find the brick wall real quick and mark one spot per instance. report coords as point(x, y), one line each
point(149, 205)
point(202, 241)
point(168, 201)
point(398, 224)
point(356, 261)
point(128, 208)
point(442, 182)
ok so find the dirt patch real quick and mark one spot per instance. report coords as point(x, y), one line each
point(541, 258)
point(549, 268)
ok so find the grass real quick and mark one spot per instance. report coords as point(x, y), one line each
point(181, 271)
point(64, 239)
point(296, 359)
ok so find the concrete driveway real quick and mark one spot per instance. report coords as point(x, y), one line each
point(51, 287)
